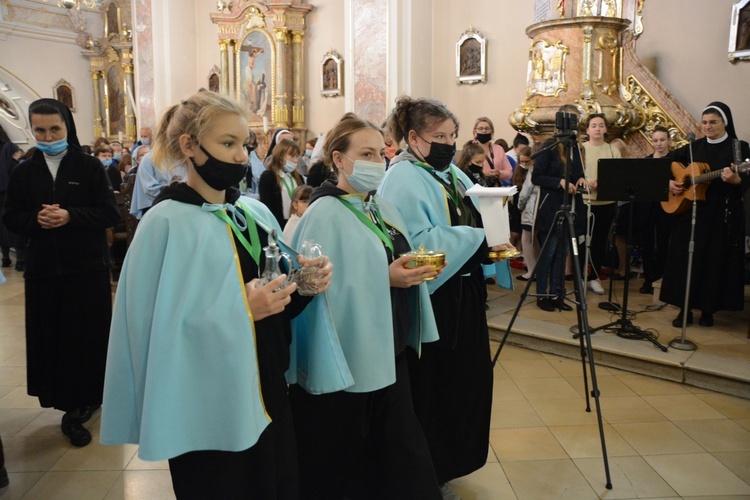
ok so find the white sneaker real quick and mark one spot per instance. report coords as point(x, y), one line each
point(596, 287)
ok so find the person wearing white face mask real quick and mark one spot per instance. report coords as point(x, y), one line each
point(361, 438)
point(277, 184)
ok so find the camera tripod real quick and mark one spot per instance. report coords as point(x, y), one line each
point(564, 232)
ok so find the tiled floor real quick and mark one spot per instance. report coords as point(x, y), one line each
point(664, 439)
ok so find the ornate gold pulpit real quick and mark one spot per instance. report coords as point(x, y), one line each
point(587, 58)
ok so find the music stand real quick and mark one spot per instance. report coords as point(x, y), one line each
point(627, 179)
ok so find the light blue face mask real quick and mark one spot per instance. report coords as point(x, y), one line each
point(289, 166)
point(117, 156)
point(52, 148)
point(308, 153)
point(106, 161)
point(366, 176)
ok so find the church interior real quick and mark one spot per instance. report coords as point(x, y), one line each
point(676, 421)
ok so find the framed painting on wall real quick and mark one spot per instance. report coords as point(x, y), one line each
point(471, 58)
point(331, 78)
point(256, 63)
point(63, 92)
point(739, 31)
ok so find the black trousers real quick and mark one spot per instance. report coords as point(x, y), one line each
point(363, 445)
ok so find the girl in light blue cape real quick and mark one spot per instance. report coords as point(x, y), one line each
point(359, 437)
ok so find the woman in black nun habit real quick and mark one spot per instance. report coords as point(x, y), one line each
point(62, 201)
point(717, 282)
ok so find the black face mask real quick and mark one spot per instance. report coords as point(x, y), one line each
point(484, 138)
point(441, 155)
point(218, 174)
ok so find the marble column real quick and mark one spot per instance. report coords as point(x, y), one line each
point(369, 60)
point(224, 77)
point(298, 108)
point(281, 99)
point(95, 79)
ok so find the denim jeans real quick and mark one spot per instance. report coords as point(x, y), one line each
point(550, 266)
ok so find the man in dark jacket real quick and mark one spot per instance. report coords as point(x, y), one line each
point(63, 202)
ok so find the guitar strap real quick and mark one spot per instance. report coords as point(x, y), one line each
point(737, 151)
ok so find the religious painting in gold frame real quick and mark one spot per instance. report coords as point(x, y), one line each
point(739, 31)
point(546, 69)
point(471, 58)
point(114, 100)
point(63, 92)
point(604, 8)
point(255, 69)
point(331, 74)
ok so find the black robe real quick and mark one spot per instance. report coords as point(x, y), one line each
point(68, 293)
point(717, 281)
point(452, 381)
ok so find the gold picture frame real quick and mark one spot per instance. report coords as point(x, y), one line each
point(471, 58)
point(739, 32)
point(63, 92)
point(331, 74)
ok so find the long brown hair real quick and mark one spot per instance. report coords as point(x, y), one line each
point(278, 158)
point(469, 150)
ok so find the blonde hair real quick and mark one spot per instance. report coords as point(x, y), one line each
point(194, 117)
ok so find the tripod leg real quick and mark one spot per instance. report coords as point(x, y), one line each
point(525, 293)
point(589, 351)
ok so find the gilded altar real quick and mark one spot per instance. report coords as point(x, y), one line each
point(262, 63)
point(111, 67)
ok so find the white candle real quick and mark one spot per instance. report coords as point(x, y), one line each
point(265, 124)
point(119, 135)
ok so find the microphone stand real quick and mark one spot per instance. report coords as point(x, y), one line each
point(681, 343)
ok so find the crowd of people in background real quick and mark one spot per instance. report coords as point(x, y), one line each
point(379, 383)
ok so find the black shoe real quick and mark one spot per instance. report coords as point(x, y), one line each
point(562, 305)
point(646, 288)
point(568, 277)
point(490, 281)
point(87, 412)
point(20, 267)
point(521, 278)
point(6, 262)
point(545, 304)
point(707, 319)
point(677, 322)
point(74, 429)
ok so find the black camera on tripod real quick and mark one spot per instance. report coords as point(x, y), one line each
point(567, 125)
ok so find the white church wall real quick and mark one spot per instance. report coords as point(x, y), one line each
point(688, 42)
point(41, 63)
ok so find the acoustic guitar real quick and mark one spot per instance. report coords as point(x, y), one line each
point(695, 187)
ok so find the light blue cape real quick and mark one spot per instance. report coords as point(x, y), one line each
point(423, 203)
point(182, 371)
point(356, 352)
